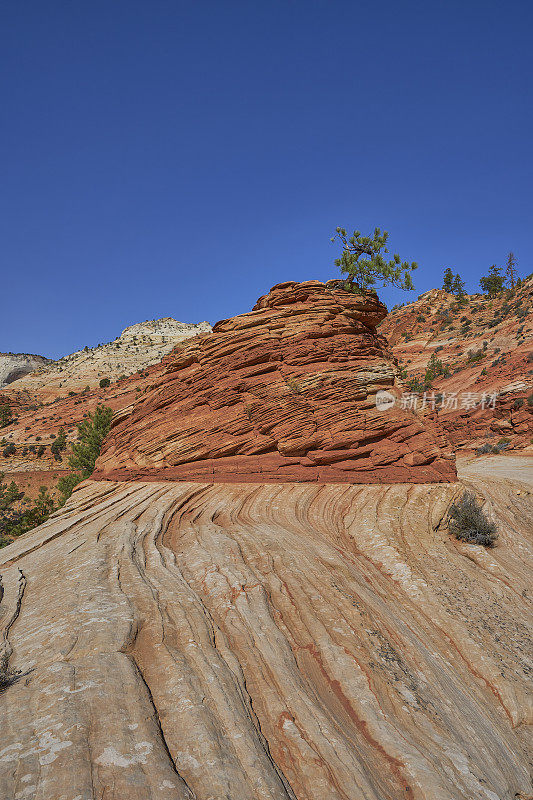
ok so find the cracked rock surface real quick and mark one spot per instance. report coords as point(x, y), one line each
point(174, 640)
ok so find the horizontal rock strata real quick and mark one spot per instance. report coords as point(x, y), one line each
point(285, 392)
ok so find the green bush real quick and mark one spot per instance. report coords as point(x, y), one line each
point(17, 515)
point(530, 400)
point(91, 433)
point(104, 383)
point(59, 445)
point(467, 522)
point(6, 417)
point(475, 355)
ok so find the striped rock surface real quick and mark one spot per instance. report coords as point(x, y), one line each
point(286, 392)
point(265, 642)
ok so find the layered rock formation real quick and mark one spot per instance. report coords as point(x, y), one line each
point(180, 641)
point(16, 365)
point(487, 345)
point(61, 394)
point(286, 392)
point(136, 348)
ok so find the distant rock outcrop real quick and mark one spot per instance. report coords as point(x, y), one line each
point(136, 348)
point(15, 365)
point(60, 394)
point(286, 392)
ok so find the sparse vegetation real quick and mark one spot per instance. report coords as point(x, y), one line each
point(6, 417)
point(434, 369)
point(19, 515)
point(468, 522)
point(475, 355)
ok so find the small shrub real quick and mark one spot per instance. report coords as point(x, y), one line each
point(104, 383)
point(530, 400)
point(467, 522)
point(8, 676)
point(416, 385)
point(485, 448)
point(475, 356)
point(9, 450)
point(530, 357)
point(518, 403)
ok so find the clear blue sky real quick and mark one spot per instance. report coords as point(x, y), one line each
point(179, 158)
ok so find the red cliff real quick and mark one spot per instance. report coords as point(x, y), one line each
point(286, 392)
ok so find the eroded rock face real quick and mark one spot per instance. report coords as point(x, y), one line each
point(179, 640)
point(16, 365)
point(487, 345)
point(285, 392)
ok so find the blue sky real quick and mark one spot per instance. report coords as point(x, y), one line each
point(179, 158)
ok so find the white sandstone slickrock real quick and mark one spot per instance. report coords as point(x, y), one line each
point(268, 642)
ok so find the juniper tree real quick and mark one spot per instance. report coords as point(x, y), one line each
point(363, 263)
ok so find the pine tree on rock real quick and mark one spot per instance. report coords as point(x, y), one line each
point(447, 284)
point(362, 261)
point(458, 288)
point(493, 283)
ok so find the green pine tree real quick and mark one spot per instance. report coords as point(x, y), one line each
point(493, 283)
point(447, 284)
point(59, 444)
point(362, 261)
point(458, 288)
point(91, 433)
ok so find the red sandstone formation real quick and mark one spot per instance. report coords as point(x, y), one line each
point(285, 392)
point(487, 345)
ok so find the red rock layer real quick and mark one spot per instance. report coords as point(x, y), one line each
point(487, 345)
point(283, 393)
